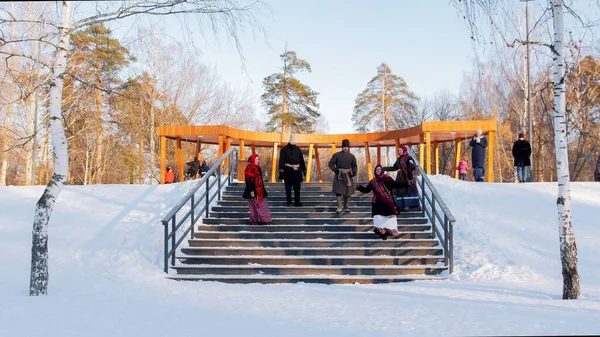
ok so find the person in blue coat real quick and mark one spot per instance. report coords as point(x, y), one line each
point(478, 146)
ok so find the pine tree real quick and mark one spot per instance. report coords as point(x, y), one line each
point(291, 104)
point(384, 104)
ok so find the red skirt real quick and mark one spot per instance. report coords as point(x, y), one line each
point(259, 210)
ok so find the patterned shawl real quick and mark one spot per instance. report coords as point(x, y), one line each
point(253, 172)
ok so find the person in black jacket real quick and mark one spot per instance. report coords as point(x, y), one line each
point(194, 168)
point(478, 144)
point(291, 169)
point(521, 151)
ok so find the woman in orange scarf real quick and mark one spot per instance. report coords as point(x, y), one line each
point(255, 193)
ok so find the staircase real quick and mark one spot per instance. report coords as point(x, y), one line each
point(307, 244)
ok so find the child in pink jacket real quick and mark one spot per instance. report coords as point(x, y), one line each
point(462, 169)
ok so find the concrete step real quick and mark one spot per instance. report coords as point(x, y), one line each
point(309, 270)
point(303, 193)
point(345, 261)
point(311, 221)
point(335, 251)
point(372, 242)
point(321, 197)
point(279, 212)
point(305, 235)
point(305, 203)
point(330, 279)
point(281, 189)
point(306, 228)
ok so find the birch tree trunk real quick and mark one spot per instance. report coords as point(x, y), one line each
point(39, 249)
point(568, 248)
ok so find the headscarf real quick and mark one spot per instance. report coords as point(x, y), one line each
point(253, 173)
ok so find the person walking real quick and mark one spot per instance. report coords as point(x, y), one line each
point(462, 169)
point(597, 170)
point(255, 192)
point(405, 167)
point(291, 169)
point(478, 145)
point(383, 206)
point(521, 152)
point(343, 164)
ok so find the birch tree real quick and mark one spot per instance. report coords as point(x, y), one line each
point(231, 16)
point(473, 10)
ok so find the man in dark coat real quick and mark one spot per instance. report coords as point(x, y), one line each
point(343, 164)
point(194, 168)
point(521, 151)
point(204, 168)
point(478, 144)
point(291, 169)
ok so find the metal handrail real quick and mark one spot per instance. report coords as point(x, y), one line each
point(170, 235)
point(435, 204)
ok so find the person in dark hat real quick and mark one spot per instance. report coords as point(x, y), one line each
point(478, 145)
point(521, 152)
point(343, 164)
point(291, 169)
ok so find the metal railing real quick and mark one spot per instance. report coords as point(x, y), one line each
point(170, 222)
point(431, 205)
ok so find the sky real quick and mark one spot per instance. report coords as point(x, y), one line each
point(425, 42)
point(106, 279)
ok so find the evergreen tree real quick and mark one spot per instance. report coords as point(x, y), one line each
point(291, 104)
point(386, 103)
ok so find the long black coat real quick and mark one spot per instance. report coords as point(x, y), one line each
point(521, 151)
point(291, 154)
point(478, 152)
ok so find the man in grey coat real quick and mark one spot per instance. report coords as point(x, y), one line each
point(343, 164)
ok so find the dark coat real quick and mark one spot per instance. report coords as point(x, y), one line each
point(343, 160)
point(378, 206)
point(405, 166)
point(194, 167)
point(521, 151)
point(291, 154)
point(204, 168)
point(478, 152)
point(597, 171)
point(251, 187)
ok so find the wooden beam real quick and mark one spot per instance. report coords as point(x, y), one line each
point(456, 157)
point(436, 157)
point(274, 171)
point(163, 158)
point(490, 155)
point(242, 163)
point(428, 152)
point(379, 154)
point(368, 158)
point(319, 174)
point(310, 161)
point(179, 159)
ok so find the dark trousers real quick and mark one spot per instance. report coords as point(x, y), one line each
point(288, 190)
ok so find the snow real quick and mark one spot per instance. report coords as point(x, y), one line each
point(106, 279)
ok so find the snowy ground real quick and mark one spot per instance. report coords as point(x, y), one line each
point(106, 274)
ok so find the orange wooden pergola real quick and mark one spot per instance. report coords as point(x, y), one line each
point(424, 135)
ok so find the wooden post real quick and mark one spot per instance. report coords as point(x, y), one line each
point(275, 163)
point(333, 149)
point(253, 149)
point(428, 152)
point(397, 143)
point(456, 157)
point(490, 155)
point(310, 160)
point(319, 174)
point(226, 161)
point(163, 158)
point(369, 165)
point(436, 157)
point(421, 151)
point(220, 151)
point(379, 154)
point(241, 166)
point(179, 159)
point(198, 149)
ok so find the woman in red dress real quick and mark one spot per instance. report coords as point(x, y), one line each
point(255, 193)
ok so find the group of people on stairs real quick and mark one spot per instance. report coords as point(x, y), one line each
point(292, 169)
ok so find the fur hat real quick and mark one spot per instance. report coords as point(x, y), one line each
point(479, 132)
point(292, 139)
point(345, 143)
